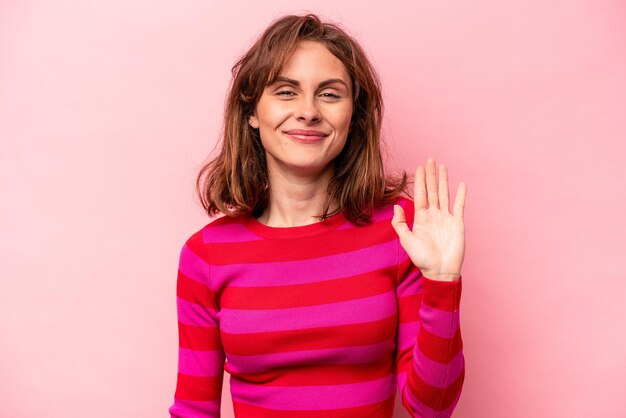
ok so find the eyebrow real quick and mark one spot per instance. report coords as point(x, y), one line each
point(322, 84)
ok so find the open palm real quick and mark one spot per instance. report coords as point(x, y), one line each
point(436, 244)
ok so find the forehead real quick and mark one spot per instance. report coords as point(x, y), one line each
point(312, 60)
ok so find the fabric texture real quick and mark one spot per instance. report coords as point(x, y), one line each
point(324, 320)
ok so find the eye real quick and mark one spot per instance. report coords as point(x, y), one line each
point(331, 95)
point(285, 93)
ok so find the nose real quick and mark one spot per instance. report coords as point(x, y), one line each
point(308, 111)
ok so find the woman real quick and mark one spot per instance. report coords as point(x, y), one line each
point(313, 292)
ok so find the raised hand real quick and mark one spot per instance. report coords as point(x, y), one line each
point(436, 245)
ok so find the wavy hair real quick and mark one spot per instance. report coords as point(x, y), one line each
point(235, 181)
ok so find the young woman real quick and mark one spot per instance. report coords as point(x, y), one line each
point(313, 291)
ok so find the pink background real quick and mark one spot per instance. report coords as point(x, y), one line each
point(108, 109)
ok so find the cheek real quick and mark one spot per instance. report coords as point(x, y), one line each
point(274, 117)
point(347, 113)
point(344, 118)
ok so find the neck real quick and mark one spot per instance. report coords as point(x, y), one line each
point(294, 200)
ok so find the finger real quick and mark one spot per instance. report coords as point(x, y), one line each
point(419, 190)
point(399, 222)
point(459, 201)
point(444, 194)
point(431, 184)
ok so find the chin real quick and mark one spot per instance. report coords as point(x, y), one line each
point(310, 169)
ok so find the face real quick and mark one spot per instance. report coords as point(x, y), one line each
point(304, 117)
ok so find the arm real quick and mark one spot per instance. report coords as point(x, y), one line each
point(431, 366)
point(200, 355)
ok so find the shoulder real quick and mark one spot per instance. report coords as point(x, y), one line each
point(404, 201)
point(224, 229)
point(385, 212)
point(387, 208)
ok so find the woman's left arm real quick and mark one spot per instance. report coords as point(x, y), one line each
point(430, 361)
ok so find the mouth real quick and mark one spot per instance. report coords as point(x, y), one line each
point(305, 136)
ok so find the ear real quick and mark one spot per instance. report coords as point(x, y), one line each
point(253, 121)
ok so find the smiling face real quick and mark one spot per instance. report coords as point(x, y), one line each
point(304, 117)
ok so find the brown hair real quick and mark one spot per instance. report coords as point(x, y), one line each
point(235, 182)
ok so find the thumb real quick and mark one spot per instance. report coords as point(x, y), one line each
point(399, 222)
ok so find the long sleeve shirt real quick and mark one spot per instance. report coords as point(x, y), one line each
point(323, 320)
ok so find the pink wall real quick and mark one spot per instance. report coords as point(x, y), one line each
point(107, 110)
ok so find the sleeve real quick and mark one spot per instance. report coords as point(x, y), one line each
point(200, 353)
point(430, 362)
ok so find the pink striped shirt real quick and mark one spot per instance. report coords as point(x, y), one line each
point(323, 320)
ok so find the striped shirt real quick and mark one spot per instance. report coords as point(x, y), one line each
point(323, 320)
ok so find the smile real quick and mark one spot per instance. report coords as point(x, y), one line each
point(306, 136)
